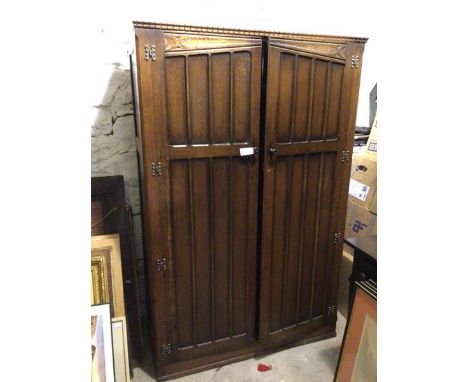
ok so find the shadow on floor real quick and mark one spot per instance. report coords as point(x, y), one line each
point(147, 366)
point(330, 356)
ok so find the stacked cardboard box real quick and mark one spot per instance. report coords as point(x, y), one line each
point(362, 208)
point(362, 202)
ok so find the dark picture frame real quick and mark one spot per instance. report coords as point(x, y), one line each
point(110, 214)
point(358, 354)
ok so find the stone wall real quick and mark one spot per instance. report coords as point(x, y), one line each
point(113, 152)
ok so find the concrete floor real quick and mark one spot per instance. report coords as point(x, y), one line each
point(313, 362)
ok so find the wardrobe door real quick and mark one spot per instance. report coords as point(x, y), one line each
point(311, 90)
point(204, 96)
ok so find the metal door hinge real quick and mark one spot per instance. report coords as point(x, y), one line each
point(156, 168)
point(345, 156)
point(161, 265)
point(150, 52)
point(337, 237)
point(166, 350)
point(331, 310)
point(354, 62)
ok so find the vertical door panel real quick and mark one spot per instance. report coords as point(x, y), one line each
point(278, 240)
point(335, 93)
point(302, 99)
point(294, 226)
point(197, 94)
point(239, 217)
point(221, 96)
point(318, 99)
point(241, 77)
point(212, 97)
point(305, 134)
point(182, 263)
point(201, 248)
point(176, 101)
point(220, 173)
point(312, 180)
point(285, 97)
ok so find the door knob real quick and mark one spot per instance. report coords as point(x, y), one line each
point(273, 151)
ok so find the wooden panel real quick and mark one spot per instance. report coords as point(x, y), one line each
point(183, 42)
point(176, 100)
point(302, 98)
point(323, 49)
point(306, 147)
point(182, 251)
point(313, 179)
point(220, 77)
point(153, 112)
point(206, 151)
point(322, 234)
point(302, 201)
point(212, 196)
point(197, 89)
point(286, 83)
point(302, 180)
point(241, 63)
point(309, 98)
point(319, 91)
point(279, 221)
point(336, 85)
point(239, 216)
point(211, 212)
point(293, 256)
point(201, 240)
point(221, 245)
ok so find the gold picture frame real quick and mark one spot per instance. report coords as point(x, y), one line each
point(106, 258)
point(99, 280)
point(120, 345)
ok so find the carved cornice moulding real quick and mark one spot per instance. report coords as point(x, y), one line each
point(247, 32)
point(178, 42)
point(323, 49)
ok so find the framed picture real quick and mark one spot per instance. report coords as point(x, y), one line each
point(119, 339)
point(358, 356)
point(110, 214)
point(106, 273)
point(100, 280)
point(102, 361)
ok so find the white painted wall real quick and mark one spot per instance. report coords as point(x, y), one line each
point(114, 31)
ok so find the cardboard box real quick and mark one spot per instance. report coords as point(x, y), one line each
point(373, 205)
point(359, 221)
point(371, 146)
point(363, 182)
point(371, 153)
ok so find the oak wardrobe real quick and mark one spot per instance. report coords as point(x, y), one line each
point(244, 141)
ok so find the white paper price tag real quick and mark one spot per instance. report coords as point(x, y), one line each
point(358, 190)
point(246, 151)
